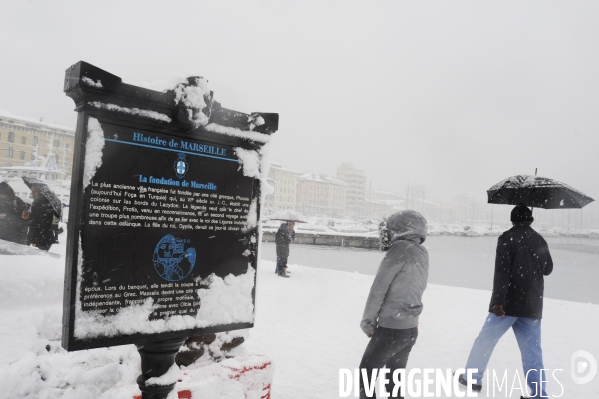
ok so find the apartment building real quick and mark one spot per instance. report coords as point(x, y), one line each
point(285, 183)
point(355, 196)
point(21, 138)
point(321, 195)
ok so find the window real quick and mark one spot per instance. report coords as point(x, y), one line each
point(66, 146)
point(22, 154)
point(56, 143)
point(11, 137)
point(23, 140)
point(57, 159)
point(9, 152)
point(35, 140)
point(32, 156)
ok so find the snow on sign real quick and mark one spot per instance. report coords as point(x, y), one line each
point(165, 197)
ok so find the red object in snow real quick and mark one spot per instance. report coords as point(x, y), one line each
point(185, 394)
point(254, 373)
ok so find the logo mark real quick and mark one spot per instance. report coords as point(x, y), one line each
point(174, 257)
point(181, 166)
point(583, 361)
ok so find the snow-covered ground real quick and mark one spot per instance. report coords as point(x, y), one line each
point(308, 324)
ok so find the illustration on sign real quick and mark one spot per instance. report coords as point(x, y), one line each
point(174, 257)
point(181, 166)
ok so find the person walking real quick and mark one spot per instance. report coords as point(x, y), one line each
point(40, 233)
point(394, 303)
point(521, 262)
point(285, 235)
point(13, 224)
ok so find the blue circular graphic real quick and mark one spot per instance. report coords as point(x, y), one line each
point(174, 257)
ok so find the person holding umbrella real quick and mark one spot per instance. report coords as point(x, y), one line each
point(522, 260)
point(283, 238)
point(45, 205)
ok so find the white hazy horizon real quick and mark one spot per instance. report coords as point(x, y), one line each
point(454, 96)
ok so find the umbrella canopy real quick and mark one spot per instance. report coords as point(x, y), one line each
point(537, 192)
point(289, 216)
point(46, 192)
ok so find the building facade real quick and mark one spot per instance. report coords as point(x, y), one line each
point(285, 183)
point(321, 195)
point(22, 138)
point(355, 197)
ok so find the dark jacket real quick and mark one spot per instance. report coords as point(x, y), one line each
point(12, 225)
point(521, 261)
point(395, 298)
point(40, 223)
point(282, 240)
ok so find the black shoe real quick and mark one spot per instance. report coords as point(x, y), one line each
point(475, 387)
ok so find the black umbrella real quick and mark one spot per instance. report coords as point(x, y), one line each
point(46, 192)
point(536, 192)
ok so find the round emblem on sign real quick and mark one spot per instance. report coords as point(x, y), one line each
point(174, 257)
point(181, 166)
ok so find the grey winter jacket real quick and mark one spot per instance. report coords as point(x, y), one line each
point(395, 299)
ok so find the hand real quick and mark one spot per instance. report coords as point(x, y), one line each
point(32, 245)
point(2, 215)
point(25, 215)
point(371, 333)
point(498, 310)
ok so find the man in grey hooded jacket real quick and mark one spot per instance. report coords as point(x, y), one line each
point(395, 301)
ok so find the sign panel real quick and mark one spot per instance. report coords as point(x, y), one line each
point(162, 236)
point(161, 214)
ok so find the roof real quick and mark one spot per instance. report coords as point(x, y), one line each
point(322, 179)
point(39, 125)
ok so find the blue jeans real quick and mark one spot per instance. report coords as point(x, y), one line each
point(528, 335)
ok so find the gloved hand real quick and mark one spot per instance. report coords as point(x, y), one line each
point(368, 326)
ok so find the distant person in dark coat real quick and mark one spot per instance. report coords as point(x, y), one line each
point(285, 236)
point(521, 261)
point(13, 225)
point(40, 233)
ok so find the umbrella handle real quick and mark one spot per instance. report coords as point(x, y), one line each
point(532, 208)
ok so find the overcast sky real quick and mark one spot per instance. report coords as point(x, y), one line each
point(453, 95)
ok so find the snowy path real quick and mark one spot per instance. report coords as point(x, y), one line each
point(307, 324)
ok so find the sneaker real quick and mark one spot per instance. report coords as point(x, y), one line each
point(475, 387)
